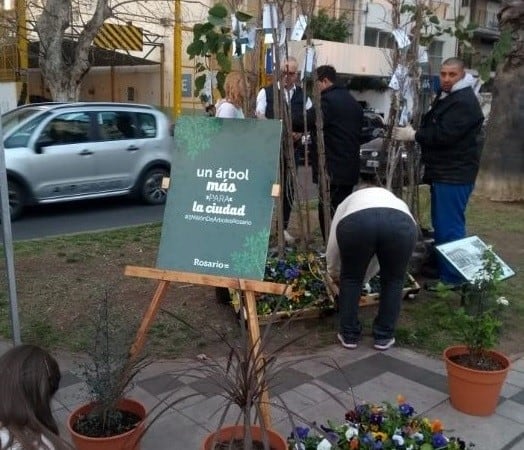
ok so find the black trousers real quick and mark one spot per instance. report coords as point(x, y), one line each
point(338, 193)
point(391, 235)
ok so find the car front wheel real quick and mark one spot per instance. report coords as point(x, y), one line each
point(16, 199)
point(151, 190)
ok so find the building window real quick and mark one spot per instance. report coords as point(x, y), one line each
point(465, 3)
point(435, 56)
point(131, 94)
point(374, 37)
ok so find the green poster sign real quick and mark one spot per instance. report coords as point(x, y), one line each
point(219, 206)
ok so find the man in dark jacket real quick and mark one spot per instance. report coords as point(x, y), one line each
point(449, 136)
point(342, 118)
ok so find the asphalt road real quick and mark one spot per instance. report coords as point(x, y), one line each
point(77, 217)
point(96, 215)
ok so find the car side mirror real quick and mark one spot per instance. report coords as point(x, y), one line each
point(41, 144)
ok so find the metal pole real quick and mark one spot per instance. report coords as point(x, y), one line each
point(22, 64)
point(177, 61)
point(8, 245)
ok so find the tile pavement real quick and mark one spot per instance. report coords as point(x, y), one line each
point(308, 385)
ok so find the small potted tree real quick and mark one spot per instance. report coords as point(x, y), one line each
point(250, 369)
point(476, 372)
point(110, 420)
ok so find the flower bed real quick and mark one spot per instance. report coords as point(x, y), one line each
point(378, 427)
point(310, 292)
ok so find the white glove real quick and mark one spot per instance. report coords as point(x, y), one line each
point(406, 133)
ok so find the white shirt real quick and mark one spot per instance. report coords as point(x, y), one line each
point(4, 438)
point(227, 110)
point(370, 197)
point(262, 100)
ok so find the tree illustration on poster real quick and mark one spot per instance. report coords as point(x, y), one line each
point(219, 206)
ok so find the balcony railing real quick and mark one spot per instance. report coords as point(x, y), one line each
point(485, 19)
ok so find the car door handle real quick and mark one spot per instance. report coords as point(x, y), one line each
point(132, 148)
point(85, 152)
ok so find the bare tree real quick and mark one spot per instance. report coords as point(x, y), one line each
point(66, 29)
point(502, 164)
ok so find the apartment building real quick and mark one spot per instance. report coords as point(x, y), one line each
point(146, 76)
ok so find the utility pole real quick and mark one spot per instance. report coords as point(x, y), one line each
point(177, 61)
point(21, 36)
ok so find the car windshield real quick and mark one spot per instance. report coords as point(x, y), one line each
point(12, 118)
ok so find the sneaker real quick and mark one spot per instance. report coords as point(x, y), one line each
point(384, 344)
point(348, 343)
point(288, 238)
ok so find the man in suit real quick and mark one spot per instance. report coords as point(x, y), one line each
point(265, 108)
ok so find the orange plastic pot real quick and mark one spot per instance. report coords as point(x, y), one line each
point(126, 441)
point(474, 392)
point(230, 433)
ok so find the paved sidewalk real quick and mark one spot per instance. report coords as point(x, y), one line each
point(304, 386)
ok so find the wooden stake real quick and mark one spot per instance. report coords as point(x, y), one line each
point(254, 338)
point(148, 318)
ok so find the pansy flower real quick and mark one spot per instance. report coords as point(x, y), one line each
point(438, 440)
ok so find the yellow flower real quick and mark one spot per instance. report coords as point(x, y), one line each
point(379, 435)
point(400, 399)
point(296, 294)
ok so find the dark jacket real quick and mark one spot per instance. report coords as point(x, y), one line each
point(296, 104)
point(449, 136)
point(342, 118)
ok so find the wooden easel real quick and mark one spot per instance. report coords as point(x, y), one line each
point(248, 287)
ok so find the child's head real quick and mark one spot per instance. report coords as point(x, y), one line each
point(29, 377)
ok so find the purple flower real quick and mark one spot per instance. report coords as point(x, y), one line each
point(367, 439)
point(301, 433)
point(406, 409)
point(439, 440)
point(281, 266)
point(291, 273)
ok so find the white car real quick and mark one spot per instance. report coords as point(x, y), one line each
point(70, 151)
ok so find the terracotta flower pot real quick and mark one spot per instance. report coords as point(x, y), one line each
point(125, 441)
point(229, 433)
point(474, 392)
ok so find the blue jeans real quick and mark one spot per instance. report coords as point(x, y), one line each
point(391, 235)
point(448, 217)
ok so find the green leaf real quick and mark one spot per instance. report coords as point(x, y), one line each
point(221, 77)
point(219, 11)
point(212, 42)
point(242, 16)
point(224, 62)
point(201, 29)
point(199, 67)
point(227, 47)
point(434, 19)
point(195, 49)
point(217, 21)
point(200, 81)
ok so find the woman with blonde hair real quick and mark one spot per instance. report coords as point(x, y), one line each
point(230, 107)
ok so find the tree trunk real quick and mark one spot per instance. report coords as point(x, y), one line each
point(502, 164)
point(64, 64)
